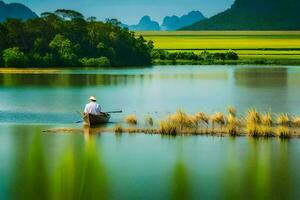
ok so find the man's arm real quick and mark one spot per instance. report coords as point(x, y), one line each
point(98, 108)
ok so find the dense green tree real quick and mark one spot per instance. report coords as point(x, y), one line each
point(46, 14)
point(68, 14)
point(91, 19)
point(160, 54)
point(3, 33)
point(95, 62)
point(16, 36)
point(14, 57)
point(41, 46)
point(64, 50)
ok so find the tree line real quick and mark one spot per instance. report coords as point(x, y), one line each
point(65, 38)
point(160, 54)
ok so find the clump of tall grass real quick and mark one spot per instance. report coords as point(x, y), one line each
point(232, 111)
point(266, 119)
point(201, 117)
point(149, 121)
point(266, 125)
point(253, 116)
point(118, 128)
point(192, 123)
point(252, 123)
point(265, 131)
point(283, 132)
point(296, 121)
point(131, 120)
point(283, 120)
point(232, 125)
point(181, 119)
point(218, 118)
point(168, 127)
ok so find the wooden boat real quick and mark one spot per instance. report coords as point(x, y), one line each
point(93, 120)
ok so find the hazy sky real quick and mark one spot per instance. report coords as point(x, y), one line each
point(129, 11)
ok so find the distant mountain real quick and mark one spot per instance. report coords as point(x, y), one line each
point(169, 23)
point(254, 15)
point(15, 10)
point(145, 24)
point(174, 22)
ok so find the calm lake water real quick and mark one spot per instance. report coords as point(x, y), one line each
point(41, 165)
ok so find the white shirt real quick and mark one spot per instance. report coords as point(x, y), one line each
point(92, 108)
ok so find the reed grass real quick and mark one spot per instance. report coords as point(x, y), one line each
point(252, 130)
point(218, 118)
point(252, 116)
point(168, 127)
point(266, 119)
point(232, 111)
point(131, 120)
point(118, 128)
point(283, 120)
point(283, 132)
point(192, 123)
point(252, 123)
point(265, 129)
point(232, 125)
point(201, 117)
point(181, 119)
point(296, 121)
point(149, 121)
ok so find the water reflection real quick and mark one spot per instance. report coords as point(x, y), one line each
point(77, 174)
point(85, 80)
point(32, 178)
point(282, 178)
point(267, 89)
point(180, 189)
point(263, 172)
point(63, 80)
point(261, 77)
point(79, 167)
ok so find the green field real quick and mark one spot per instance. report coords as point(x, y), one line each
point(224, 39)
point(248, 44)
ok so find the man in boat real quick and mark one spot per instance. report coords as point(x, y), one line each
point(92, 107)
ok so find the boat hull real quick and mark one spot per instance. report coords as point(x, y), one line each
point(93, 120)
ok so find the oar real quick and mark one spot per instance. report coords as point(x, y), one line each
point(112, 112)
point(81, 115)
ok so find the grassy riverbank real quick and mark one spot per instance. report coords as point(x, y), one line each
point(252, 47)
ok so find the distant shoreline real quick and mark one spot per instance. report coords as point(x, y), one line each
point(157, 63)
point(258, 62)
